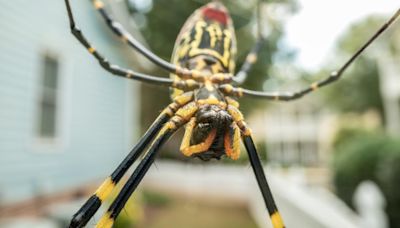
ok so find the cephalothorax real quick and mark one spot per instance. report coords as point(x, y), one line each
point(203, 99)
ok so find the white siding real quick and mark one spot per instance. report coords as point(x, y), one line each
point(93, 134)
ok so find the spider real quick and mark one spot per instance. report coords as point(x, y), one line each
point(203, 98)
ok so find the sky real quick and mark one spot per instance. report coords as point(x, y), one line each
point(319, 23)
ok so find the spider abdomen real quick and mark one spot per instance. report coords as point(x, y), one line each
point(206, 42)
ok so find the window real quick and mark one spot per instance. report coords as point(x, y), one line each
point(309, 153)
point(47, 120)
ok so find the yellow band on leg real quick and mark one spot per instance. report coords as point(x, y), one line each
point(105, 189)
point(106, 221)
point(277, 221)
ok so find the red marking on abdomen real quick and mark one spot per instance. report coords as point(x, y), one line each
point(217, 15)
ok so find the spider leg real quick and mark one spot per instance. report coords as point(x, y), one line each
point(232, 142)
point(334, 76)
point(108, 219)
point(181, 117)
point(187, 136)
point(86, 212)
point(252, 56)
point(121, 32)
point(276, 218)
point(94, 202)
point(187, 149)
point(237, 116)
point(113, 69)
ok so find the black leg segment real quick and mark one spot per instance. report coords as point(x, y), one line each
point(113, 211)
point(86, 212)
point(276, 219)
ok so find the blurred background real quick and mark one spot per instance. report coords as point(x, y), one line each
point(331, 158)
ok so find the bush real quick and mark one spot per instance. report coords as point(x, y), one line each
point(388, 172)
point(155, 199)
point(369, 156)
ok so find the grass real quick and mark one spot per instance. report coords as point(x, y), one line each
point(181, 212)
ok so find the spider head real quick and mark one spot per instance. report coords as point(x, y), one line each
point(211, 124)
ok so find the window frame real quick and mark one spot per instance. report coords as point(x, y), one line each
point(45, 97)
point(57, 143)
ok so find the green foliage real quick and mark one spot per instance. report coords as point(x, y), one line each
point(359, 91)
point(357, 161)
point(388, 172)
point(155, 199)
point(349, 134)
point(360, 156)
point(124, 222)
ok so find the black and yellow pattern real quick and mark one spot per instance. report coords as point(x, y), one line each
point(86, 212)
point(181, 117)
point(276, 218)
point(206, 44)
point(202, 70)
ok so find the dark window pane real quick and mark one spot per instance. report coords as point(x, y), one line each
point(50, 73)
point(47, 128)
point(48, 101)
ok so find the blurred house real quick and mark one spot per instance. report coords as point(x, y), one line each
point(64, 121)
point(298, 134)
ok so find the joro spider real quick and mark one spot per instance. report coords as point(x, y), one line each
point(203, 99)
